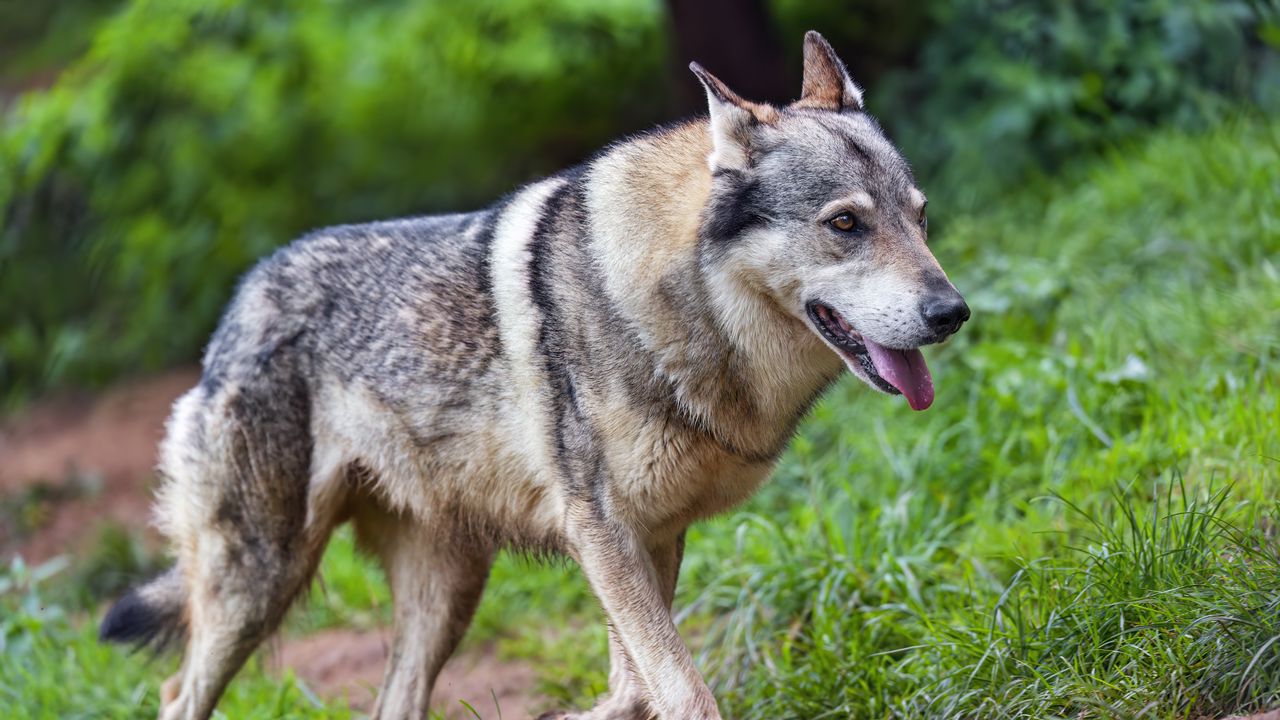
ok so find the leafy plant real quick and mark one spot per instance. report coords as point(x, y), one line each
point(1004, 89)
point(197, 136)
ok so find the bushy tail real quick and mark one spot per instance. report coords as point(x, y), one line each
point(151, 616)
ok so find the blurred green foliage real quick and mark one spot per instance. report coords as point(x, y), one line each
point(196, 135)
point(1001, 88)
point(36, 37)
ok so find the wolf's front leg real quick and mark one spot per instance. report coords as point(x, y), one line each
point(636, 592)
point(627, 698)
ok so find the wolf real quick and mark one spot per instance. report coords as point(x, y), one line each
point(585, 368)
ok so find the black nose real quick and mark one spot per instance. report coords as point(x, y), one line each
point(944, 314)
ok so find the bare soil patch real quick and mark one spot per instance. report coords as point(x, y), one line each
point(348, 663)
point(73, 464)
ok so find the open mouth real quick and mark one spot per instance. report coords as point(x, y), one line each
point(894, 371)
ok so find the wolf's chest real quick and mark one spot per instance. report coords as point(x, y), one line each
point(660, 475)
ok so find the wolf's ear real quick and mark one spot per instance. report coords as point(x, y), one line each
point(827, 85)
point(733, 122)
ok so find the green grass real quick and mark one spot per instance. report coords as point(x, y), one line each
point(1083, 525)
point(51, 666)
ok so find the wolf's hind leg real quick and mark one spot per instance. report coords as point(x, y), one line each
point(437, 577)
point(249, 523)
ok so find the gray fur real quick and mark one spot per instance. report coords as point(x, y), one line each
point(586, 368)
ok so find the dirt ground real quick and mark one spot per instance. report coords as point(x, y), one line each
point(338, 663)
point(89, 460)
point(72, 465)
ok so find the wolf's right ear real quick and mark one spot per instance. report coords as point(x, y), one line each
point(733, 121)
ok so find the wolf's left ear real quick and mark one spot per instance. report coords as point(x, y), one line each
point(827, 85)
point(733, 122)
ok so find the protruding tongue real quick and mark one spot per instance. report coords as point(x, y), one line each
point(905, 370)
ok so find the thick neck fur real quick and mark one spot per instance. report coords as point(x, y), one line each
point(742, 367)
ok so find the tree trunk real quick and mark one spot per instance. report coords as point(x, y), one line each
point(735, 40)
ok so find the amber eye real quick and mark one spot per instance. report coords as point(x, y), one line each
point(844, 222)
point(924, 219)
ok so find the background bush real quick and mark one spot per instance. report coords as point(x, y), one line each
point(1001, 88)
point(194, 136)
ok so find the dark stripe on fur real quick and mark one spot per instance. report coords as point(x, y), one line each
point(484, 240)
point(577, 453)
point(857, 149)
point(484, 245)
point(734, 206)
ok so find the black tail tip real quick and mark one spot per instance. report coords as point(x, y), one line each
point(129, 621)
point(132, 620)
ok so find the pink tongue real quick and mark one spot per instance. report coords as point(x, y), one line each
point(905, 370)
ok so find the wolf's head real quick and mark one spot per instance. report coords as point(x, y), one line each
point(812, 206)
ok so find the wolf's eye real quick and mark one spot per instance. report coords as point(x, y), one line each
point(845, 222)
point(924, 219)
